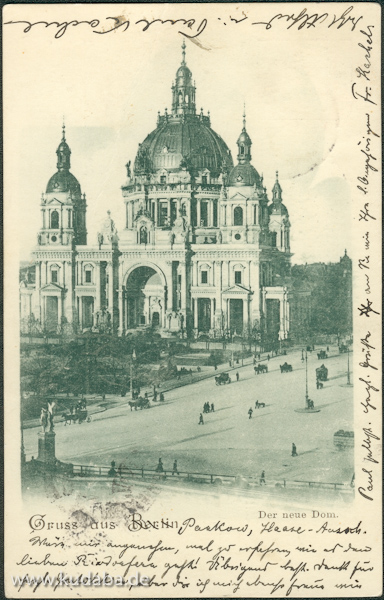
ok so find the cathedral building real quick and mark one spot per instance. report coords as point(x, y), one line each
point(202, 248)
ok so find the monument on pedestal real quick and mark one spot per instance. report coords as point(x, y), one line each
point(46, 449)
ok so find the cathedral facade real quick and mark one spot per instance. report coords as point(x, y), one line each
point(202, 249)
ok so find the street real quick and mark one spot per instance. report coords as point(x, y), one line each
point(228, 442)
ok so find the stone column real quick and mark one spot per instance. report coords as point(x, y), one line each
point(183, 287)
point(210, 223)
point(97, 285)
point(198, 210)
point(36, 297)
point(287, 318)
point(110, 287)
point(81, 312)
point(228, 319)
point(195, 314)
point(121, 324)
point(59, 308)
point(212, 313)
point(245, 314)
point(156, 211)
point(264, 302)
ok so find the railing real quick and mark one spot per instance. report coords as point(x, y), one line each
point(123, 472)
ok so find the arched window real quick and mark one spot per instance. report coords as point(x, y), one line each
point(143, 235)
point(238, 216)
point(54, 220)
point(241, 149)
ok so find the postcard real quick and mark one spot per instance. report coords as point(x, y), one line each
point(192, 300)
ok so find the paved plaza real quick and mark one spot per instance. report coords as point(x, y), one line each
point(228, 442)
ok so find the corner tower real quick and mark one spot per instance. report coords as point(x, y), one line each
point(63, 206)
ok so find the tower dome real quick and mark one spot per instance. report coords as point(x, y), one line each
point(183, 137)
point(63, 180)
point(244, 174)
point(277, 207)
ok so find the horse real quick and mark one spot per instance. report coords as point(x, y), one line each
point(259, 404)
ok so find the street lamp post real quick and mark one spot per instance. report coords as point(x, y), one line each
point(133, 357)
point(348, 372)
point(306, 380)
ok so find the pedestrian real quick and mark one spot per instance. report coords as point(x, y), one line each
point(294, 452)
point(250, 412)
point(229, 363)
point(212, 407)
point(155, 395)
point(237, 375)
point(71, 409)
point(257, 404)
point(327, 348)
point(161, 397)
point(215, 367)
point(160, 468)
point(112, 472)
point(262, 478)
point(258, 356)
point(268, 357)
point(146, 395)
point(254, 360)
point(174, 468)
point(201, 420)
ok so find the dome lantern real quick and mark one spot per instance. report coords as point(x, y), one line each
point(63, 154)
point(244, 144)
point(244, 174)
point(63, 180)
point(276, 191)
point(183, 90)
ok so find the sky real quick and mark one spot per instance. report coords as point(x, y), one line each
point(110, 88)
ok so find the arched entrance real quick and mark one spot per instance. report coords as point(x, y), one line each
point(144, 298)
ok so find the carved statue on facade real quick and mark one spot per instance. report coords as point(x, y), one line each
point(108, 231)
point(180, 228)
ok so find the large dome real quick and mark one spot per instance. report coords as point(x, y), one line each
point(63, 181)
point(176, 139)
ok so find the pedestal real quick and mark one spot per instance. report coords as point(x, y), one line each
point(47, 447)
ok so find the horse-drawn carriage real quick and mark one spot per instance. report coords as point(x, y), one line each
point(260, 369)
point(322, 373)
point(322, 354)
point(344, 439)
point(343, 348)
point(222, 379)
point(285, 368)
point(79, 416)
point(140, 402)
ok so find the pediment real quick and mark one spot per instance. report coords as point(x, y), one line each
point(52, 287)
point(55, 201)
point(238, 197)
point(237, 289)
point(144, 221)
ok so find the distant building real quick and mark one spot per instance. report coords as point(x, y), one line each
point(322, 299)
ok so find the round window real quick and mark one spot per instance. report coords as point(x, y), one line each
point(237, 236)
point(53, 238)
